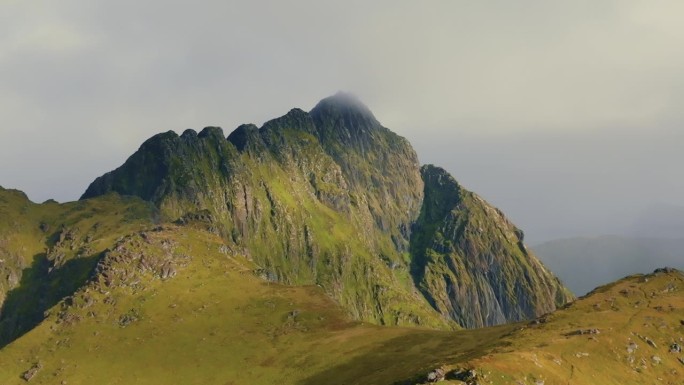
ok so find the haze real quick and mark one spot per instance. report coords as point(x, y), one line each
point(566, 115)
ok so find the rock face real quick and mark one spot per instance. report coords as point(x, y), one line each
point(331, 197)
point(470, 261)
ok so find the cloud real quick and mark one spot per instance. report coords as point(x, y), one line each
point(85, 82)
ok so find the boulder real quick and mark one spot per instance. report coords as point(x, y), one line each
point(436, 375)
point(632, 347)
point(168, 271)
point(579, 332)
point(29, 374)
point(469, 376)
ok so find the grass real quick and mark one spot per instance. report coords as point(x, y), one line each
point(50, 250)
point(634, 309)
point(216, 323)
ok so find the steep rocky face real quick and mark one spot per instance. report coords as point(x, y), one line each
point(470, 261)
point(331, 197)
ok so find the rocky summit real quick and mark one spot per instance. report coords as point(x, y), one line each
point(331, 197)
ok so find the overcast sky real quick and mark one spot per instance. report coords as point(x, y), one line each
point(565, 114)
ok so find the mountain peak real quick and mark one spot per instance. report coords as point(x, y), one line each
point(211, 131)
point(346, 107)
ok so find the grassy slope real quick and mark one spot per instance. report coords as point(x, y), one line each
point(48, 250)
point(633, 309)
point(216, 323)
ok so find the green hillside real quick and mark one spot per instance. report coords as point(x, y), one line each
point(175, 304)
point(48, 251)
point(213, 321)
point(627, 332)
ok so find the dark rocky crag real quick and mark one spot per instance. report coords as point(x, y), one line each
point(331, 197)
point(470, 261)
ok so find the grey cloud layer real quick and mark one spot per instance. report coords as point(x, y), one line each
point(569, 105)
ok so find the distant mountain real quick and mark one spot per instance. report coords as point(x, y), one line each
point(584, 263)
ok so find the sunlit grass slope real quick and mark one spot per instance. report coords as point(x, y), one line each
point(48, 250)
point(177, 306)
point(628, 332)
point(117, 299)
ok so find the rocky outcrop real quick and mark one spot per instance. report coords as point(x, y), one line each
point(48, 251)
point(436, 375)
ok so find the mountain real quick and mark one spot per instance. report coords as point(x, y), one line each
point(586, 262)
point(333, 198)
point(314, 249)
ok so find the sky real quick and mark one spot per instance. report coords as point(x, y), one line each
point(565, 114)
